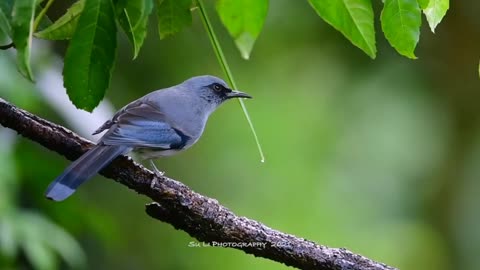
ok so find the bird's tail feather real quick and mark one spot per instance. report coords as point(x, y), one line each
point(83, 169)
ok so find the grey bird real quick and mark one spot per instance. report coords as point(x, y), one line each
point(161, 123)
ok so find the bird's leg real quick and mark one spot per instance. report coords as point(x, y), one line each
point(157, 172)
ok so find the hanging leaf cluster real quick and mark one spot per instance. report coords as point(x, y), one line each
point(91, 27)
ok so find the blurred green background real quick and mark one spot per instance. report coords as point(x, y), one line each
point(377, 156)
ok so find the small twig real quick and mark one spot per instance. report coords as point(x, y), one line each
point(8, 46)
point(201, 217)
point(223, 63)
point(40, 15)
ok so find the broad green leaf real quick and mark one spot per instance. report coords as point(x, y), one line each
point(173, 16)
point(39, 239)
point(401, 20)
point(22, 26)
point(435, 12)
point(133, 17)
point(55, 238)
point(64, 27)
point(39, 256)
point(32, 242)
point(7, 6)
point(353, 18)
point(91, 54)
point(8, 237)
point(5, 24)
point(423, 3)
point(244, 20)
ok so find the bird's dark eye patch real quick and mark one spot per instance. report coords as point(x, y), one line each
point(217, 87)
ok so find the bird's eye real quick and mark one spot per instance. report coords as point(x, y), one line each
point(217, 87)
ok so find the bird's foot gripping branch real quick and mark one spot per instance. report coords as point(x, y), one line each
point(201, 217)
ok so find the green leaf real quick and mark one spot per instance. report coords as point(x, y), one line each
point(8, 237)
point(244, 20)
point(22, 26)
point(40, 257)
point(173, 16)
point(133, 18)
point(64, 27)
point(54, 238)
point(5, 24)
point(401, 20)
point(435, 12)
point(7, 6)
point(32, 241)
point(423, 3)
point(91, 54)
point(353, 18)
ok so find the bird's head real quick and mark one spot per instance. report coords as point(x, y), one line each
point(212, 89)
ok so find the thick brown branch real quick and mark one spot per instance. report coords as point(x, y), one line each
point(201, 217)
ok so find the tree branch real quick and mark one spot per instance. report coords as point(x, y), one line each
point(201, 217)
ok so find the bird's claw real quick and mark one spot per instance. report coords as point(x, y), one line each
point(158, 174)
point(153, 183)
point(156, 171)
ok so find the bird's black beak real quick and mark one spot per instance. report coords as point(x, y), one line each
point(237, 94)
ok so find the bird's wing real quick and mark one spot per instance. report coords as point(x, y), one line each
point(109, 123)
point(144, 125)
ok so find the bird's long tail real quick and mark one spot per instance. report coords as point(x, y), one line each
point(83, 169)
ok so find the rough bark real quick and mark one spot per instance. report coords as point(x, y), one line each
point(201, 217)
